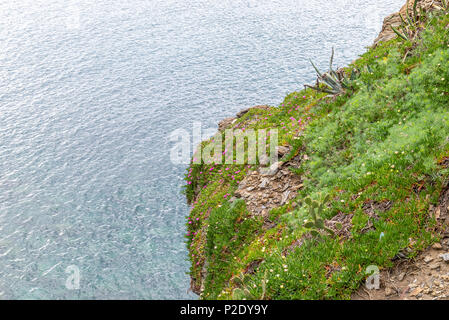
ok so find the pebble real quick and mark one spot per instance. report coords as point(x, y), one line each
point(388, 291)
point(427, 259)
point(434, 266)
point(445, 257)
point(415, 292)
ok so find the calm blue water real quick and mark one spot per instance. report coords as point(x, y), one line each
point(90, 91)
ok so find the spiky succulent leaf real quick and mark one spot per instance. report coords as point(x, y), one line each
point(415, 11)
point(316, 69)
point(399, 34)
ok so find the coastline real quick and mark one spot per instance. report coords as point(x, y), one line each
point(261, 205)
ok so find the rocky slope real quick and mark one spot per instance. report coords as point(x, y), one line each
point(381, 161)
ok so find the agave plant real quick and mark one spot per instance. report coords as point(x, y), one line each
point(332, 82)
point(316, 223)
point(411, 24)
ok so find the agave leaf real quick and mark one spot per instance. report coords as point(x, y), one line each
point(402, 19)
point(407, 14)
point(331, 82)
point(320, 89)
point(415, 12)
point(316, 69)
point(335, 75)
point(345, 84)
point(332, 59)
point(399, 34)
point(404, 29)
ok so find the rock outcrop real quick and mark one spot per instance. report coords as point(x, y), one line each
point(395, 20)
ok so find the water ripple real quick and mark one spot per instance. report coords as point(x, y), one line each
point(86, 106)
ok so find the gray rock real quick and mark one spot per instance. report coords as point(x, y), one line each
point(445, 257)
point(272, 170)
point(285, 197)
point(281, 151)
point(264, 183)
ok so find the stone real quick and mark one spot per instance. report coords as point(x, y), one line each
point(264, 183)
point(285, 197)
point(437, 246)
point(445, 257)
point(225, 123)
point(389, 291)
point(415, 292)
point(434, 266)
point(272, 170)
point(427, 259)
point(401, 276)
point(281, 151)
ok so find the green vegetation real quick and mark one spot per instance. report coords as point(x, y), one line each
point(383, 140)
